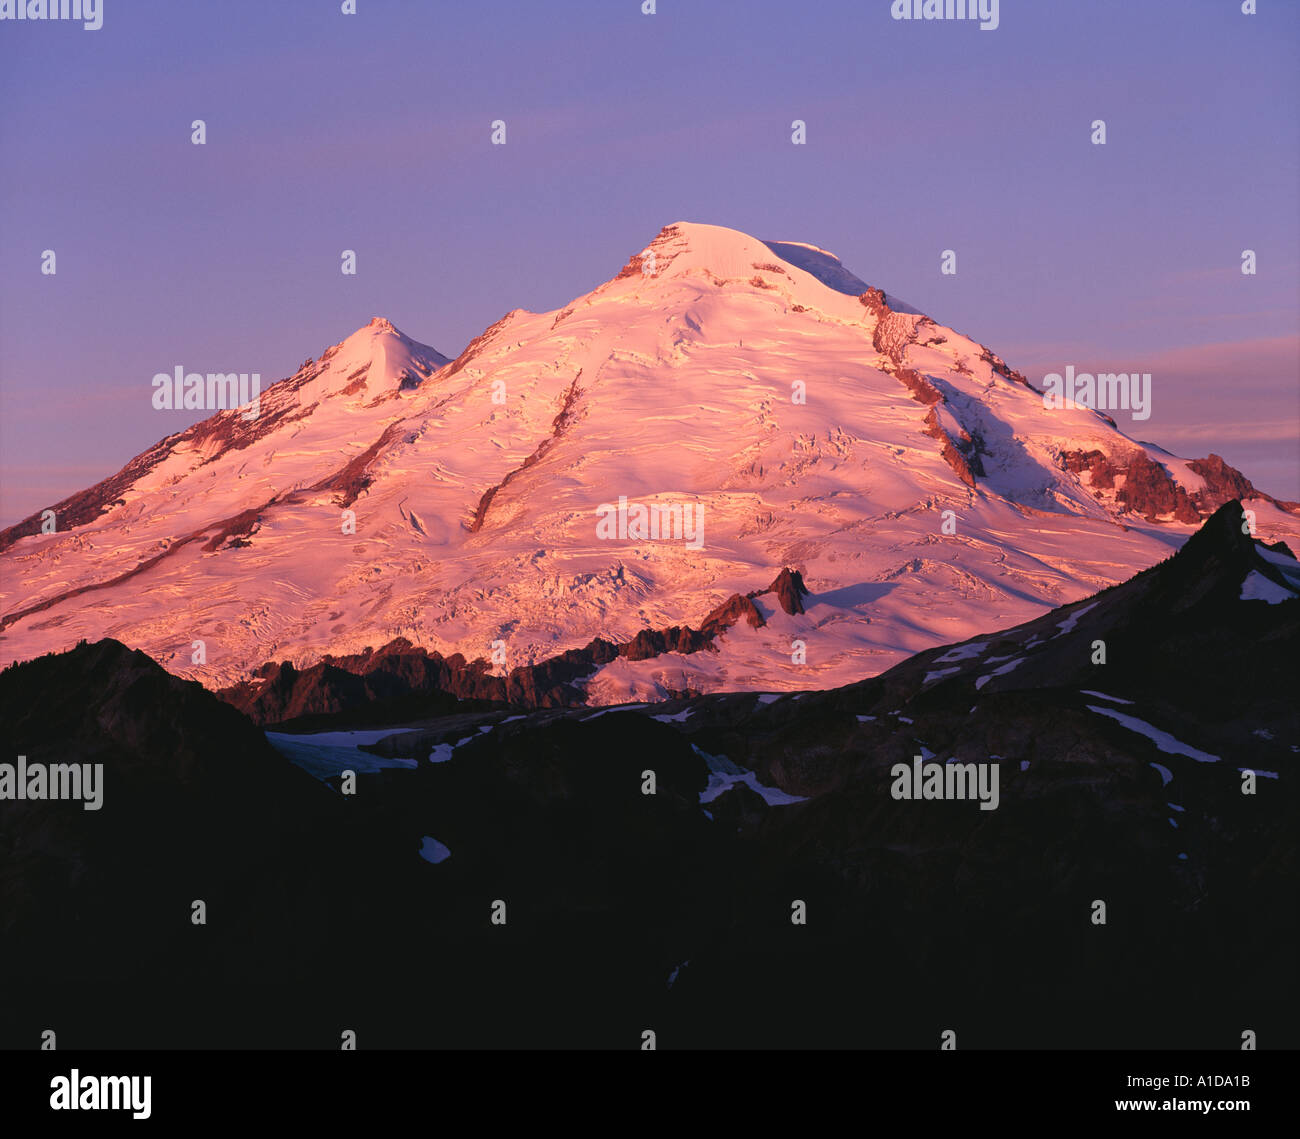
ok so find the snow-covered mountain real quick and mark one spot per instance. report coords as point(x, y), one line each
point(760, 390)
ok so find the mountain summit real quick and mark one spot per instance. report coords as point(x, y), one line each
point(721, 409)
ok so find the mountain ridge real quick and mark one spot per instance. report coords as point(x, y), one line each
point(385, 491)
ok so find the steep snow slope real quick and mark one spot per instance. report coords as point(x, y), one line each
point(475, 487)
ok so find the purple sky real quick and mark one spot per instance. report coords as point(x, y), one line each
point(371, 132)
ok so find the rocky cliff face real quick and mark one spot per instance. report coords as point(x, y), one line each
point(1145, 487)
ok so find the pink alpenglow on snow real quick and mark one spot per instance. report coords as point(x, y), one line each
point(913, 478)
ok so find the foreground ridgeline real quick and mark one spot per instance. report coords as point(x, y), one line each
point(650, 875)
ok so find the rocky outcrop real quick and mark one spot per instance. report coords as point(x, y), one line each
point(1149, 489)
point(635, 266)
point(476, 346)
point(401, 679)
point(350, 480)
point(948, 449)
point(873, 300)
point(999, 366)
point(734, 609)
point(650, 643)
point(890, 338)
point(1101, 474)
point(922, 390)
point(1224, 483)
point(789, 590)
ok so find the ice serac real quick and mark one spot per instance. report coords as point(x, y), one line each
point(909, 480)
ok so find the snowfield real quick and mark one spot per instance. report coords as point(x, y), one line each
point(384, 491)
